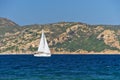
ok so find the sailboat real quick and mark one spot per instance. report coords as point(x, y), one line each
point(43, 49)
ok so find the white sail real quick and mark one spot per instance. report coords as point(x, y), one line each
point(43, 46)
point(47, 50)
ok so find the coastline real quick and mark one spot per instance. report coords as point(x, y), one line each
point(64, 53)
point(107, 51)
point(15, 53)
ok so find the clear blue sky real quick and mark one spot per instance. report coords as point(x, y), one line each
point(26, 12)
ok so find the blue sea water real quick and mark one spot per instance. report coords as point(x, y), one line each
point(60, 67)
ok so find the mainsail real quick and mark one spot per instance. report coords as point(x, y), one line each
point(43, 46)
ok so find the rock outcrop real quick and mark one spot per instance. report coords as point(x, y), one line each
point(109, 38)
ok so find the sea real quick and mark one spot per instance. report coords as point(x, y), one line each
point(60, 67)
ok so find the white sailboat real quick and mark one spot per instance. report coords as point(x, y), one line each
point(43, 49)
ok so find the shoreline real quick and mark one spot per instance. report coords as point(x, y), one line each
point(63, 53)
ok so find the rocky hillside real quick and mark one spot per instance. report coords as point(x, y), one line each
point(6, 22)
point(63, 37)
point(7, 25)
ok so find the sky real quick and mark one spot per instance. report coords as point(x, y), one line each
point(26, 12)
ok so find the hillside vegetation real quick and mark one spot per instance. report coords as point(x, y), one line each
point(63, 37)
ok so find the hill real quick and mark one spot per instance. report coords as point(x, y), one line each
point(63, 37)
point(7, 25)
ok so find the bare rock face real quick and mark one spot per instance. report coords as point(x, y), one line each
point(98, 29)
point(109, 38)
point(65, 36)
point(6, 22)
point(107, 51)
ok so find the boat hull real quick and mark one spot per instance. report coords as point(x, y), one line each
point(42, 54)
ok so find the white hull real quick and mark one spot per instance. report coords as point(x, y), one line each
point(42, 55)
